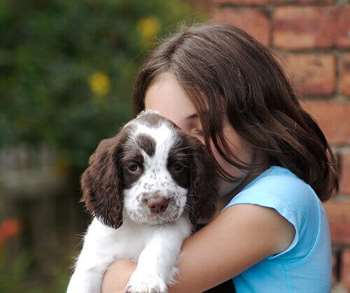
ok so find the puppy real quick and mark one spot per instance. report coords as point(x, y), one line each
point(146, 188)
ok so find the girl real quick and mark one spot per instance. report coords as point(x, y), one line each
point(218, 84)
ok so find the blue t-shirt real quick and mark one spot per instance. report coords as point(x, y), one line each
point(305, 266)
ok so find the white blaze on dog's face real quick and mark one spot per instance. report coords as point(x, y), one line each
point(156, 171)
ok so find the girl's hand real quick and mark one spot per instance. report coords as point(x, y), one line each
point(117, 276)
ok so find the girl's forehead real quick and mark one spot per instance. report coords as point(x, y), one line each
point(166, 96)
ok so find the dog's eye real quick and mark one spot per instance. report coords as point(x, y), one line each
point(133, 167)
point(177, 167)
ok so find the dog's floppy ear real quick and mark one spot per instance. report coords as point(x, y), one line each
point(203, 191)
point(101, 183)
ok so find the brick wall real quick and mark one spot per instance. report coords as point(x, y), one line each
point(312, 40)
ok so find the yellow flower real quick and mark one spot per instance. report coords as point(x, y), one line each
point(148, 27)
point(100, 83)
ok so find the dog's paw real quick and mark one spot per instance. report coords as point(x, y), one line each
point(145, 282)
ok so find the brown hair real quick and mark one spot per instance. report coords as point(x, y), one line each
point(227, 73)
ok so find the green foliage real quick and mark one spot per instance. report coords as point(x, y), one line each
point(15, 276)
point(12, 273)
point(67, 67)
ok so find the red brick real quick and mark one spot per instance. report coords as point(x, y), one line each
point(243, 2)
point(345, 173)
point(344, 74)
point(312, 75)
point(333, 117)
point(304, 27)
point(302, 1)
point(253, 21)
point(339, 218)
point(345, 269)
point(343, 26)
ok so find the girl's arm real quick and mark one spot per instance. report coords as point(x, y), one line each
point(237, 238)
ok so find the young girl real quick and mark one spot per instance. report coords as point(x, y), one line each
point(220, 85)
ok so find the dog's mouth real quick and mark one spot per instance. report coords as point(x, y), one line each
point(156, 212)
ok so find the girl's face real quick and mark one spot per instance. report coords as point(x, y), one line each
point(166, 96)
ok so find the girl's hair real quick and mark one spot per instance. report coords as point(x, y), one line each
point(229, 75)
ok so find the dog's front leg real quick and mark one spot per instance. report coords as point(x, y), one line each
point(156, 266)
point(89, 271)
point(96, 255)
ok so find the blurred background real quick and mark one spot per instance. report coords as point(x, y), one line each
point(66, 75)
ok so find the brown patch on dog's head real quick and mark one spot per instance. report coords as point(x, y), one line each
point(146, 143)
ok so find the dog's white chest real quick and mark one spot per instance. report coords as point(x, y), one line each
point(126, 242)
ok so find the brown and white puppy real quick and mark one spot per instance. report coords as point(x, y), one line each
point(146, 188)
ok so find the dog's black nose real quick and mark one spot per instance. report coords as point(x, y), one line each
point(157, 204)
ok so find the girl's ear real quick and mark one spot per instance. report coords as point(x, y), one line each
point(101, 183)
point(203, 192)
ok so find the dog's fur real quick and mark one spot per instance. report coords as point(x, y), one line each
point(146, 188)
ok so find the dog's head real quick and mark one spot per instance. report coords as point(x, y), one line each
point(150, 172)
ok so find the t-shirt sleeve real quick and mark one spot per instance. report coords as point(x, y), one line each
point(294, 200)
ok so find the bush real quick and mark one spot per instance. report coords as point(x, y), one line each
point(67, 67)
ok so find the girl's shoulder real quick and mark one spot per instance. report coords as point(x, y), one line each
point(278, 186)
